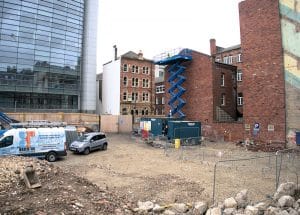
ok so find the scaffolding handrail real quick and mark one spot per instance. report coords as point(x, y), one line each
point(37, 123)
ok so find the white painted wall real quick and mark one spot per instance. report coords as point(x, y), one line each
point(88, 80)
point(111, 88)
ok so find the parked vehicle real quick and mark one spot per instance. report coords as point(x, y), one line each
point(49, 143)
point(89, 142)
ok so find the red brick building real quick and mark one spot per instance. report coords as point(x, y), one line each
point(232, 56)
point(259, 85)
point(210, 89)
point(136, 85)
point(160, 95)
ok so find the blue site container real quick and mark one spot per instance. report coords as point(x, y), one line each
point(298, 138)
point(186, 131)
point(158, 124)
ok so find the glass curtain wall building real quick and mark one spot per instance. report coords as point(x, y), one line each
point(41, 46)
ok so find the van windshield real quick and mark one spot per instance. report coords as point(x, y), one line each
point(83, 138)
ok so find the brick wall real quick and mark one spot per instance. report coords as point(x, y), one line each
point(198, 85)
point(228, 89)
point(159, 100)
point(263, 78)
point(139, 105)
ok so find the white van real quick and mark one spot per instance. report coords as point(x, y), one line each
point(49, 143)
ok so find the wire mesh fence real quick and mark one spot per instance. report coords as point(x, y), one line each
point(237, 169)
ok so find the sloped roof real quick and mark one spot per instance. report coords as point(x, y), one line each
point(134, 56)
point(221, 49)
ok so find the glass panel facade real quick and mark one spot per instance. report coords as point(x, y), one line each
point(40, 53)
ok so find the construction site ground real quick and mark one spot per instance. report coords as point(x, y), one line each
point(141, 172)
point(130, 170)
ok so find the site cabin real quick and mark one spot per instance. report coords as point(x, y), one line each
point(48, 143)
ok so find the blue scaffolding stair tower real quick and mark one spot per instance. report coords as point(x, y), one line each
point(176, 78)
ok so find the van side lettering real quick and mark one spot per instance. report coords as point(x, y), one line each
point(22, 149)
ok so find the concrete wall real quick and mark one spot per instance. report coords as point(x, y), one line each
point(111, 88)
point(263, 76)
point(88, 80)
point(290, 13)
point(89, 120)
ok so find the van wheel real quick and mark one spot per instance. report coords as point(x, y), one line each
point(86, 151)
point(104, 147)
point(51, 157)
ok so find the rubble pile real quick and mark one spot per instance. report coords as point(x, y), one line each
point(61, 191)
point(286, 201)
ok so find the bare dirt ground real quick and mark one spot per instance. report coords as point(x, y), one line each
point(140, 172)
point(113, 181)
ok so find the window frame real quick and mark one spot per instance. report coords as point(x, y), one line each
point(222, 79)
point(124, 96)
point(125, 81)
point(239, 75)
point(240, 99)
point(5, 144)
point(223, 99)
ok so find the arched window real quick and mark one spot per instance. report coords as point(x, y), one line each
point(125, 81)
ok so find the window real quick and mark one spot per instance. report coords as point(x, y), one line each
point(225, 59)
point(133, 68)
point(222, 79)
point(218, 59)
point(240, 99)
point(223, 99)
point(145, 97)
point(239, 58)
point(136, 69)
point(124, 111)
point(136, 112)
point(147, 70)
point(125, 69)
point(125, 96)
point(144, 70)
point(239, 75)
point(163, 100)
point(135, 82)
point(146, 112)
point(160, 89)
point(230, 60)
point(6, 141)
point(145, 83)
point(134, 96)
point(125, 81)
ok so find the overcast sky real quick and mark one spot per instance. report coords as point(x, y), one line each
point(155, 26)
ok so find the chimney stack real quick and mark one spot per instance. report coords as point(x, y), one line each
point(140, 55)
point(115, 52)
point(213, 47)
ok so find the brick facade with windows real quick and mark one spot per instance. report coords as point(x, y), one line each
point(258, 86)
point(160, 94)
point(232, 56)
point(224, 92)
point(137, 85)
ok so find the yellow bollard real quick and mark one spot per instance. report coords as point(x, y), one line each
point(177, 143)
